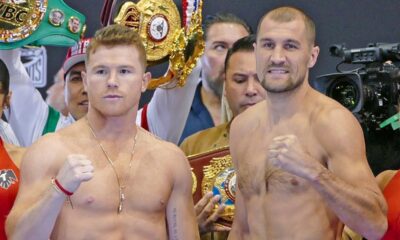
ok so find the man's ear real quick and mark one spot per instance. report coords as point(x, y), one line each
point(84, 79)
point(313, 57)
point(145, 81)
point(7, 100)
point(224, 84)
point(224, 89)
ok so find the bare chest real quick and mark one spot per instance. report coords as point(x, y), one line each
point(124, 183)
point(257, 174)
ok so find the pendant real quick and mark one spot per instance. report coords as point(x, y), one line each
point(121, 201)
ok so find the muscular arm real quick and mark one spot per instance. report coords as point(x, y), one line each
point(180, 210)
point(382, 179)
point(38, 204)
point(348, 185)
point(240, 227)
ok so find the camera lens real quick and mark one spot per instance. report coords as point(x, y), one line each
point(345, 91)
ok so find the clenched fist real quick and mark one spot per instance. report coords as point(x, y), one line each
point(287, 153)
point(76, 169)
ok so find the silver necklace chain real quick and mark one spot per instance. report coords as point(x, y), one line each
point(119, 181)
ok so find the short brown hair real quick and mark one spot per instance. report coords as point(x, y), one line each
point(115, 35)
point(288, 14)
point(211, 20)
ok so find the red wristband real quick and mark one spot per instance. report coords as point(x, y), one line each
point(65, 191)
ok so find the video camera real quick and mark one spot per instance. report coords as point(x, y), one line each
point(370, 92)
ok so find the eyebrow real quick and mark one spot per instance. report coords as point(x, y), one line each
point(118, 66)
point(265, 39)
point(127, 66)
point(219, 42)
point(245, 75)
point(292, 41)
point(74, 72)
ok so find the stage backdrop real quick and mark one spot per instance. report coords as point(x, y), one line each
point(353, 22)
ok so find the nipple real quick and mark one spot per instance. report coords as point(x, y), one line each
point(294, 182)
point(90, 200)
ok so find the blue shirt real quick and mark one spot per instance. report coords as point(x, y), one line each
point(199, 117)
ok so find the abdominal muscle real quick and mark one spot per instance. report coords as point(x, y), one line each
point(109, 225)
point(291, 214)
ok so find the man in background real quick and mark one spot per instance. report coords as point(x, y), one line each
point(30, 116)
point(242, 90)
point(55, 93)
point(174, 114)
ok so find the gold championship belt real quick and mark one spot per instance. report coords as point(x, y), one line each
point(213, 172)
point(39, 22)
point(158, 23)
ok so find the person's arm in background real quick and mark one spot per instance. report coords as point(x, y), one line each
point(7, 134)
point(28, 112)
point(168, 109)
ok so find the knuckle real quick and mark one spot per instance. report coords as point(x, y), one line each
point(214, 218)
point(207, 211)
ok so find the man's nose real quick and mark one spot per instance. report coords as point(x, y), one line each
point(278, 56)
point(112, 80)
point(251, 89)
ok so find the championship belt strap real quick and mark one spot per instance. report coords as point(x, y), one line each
point(39, 22)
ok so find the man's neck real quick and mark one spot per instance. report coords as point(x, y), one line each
point(112, 128)
point(286, 104)
point(212, 102)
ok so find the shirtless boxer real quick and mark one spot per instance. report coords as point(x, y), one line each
point(300, 156)
point(126, 184)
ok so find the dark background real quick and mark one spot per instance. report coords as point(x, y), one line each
point(353, 22)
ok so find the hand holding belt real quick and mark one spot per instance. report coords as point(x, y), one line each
point(213, 172)
point(39, 22)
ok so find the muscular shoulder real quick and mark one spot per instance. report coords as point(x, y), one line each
point(249, 121)
point(44, 155)
point(158, 149)
point(335, 119)
point(55, 145)
point(168, 157)
point(335, 126)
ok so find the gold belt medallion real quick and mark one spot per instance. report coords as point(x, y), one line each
point(20, 18)
point(220, 178)
point(156, 21)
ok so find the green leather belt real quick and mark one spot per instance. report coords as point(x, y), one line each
point(39, 22)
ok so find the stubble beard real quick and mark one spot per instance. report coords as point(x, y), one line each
point(289, 85)
point(216, 85)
